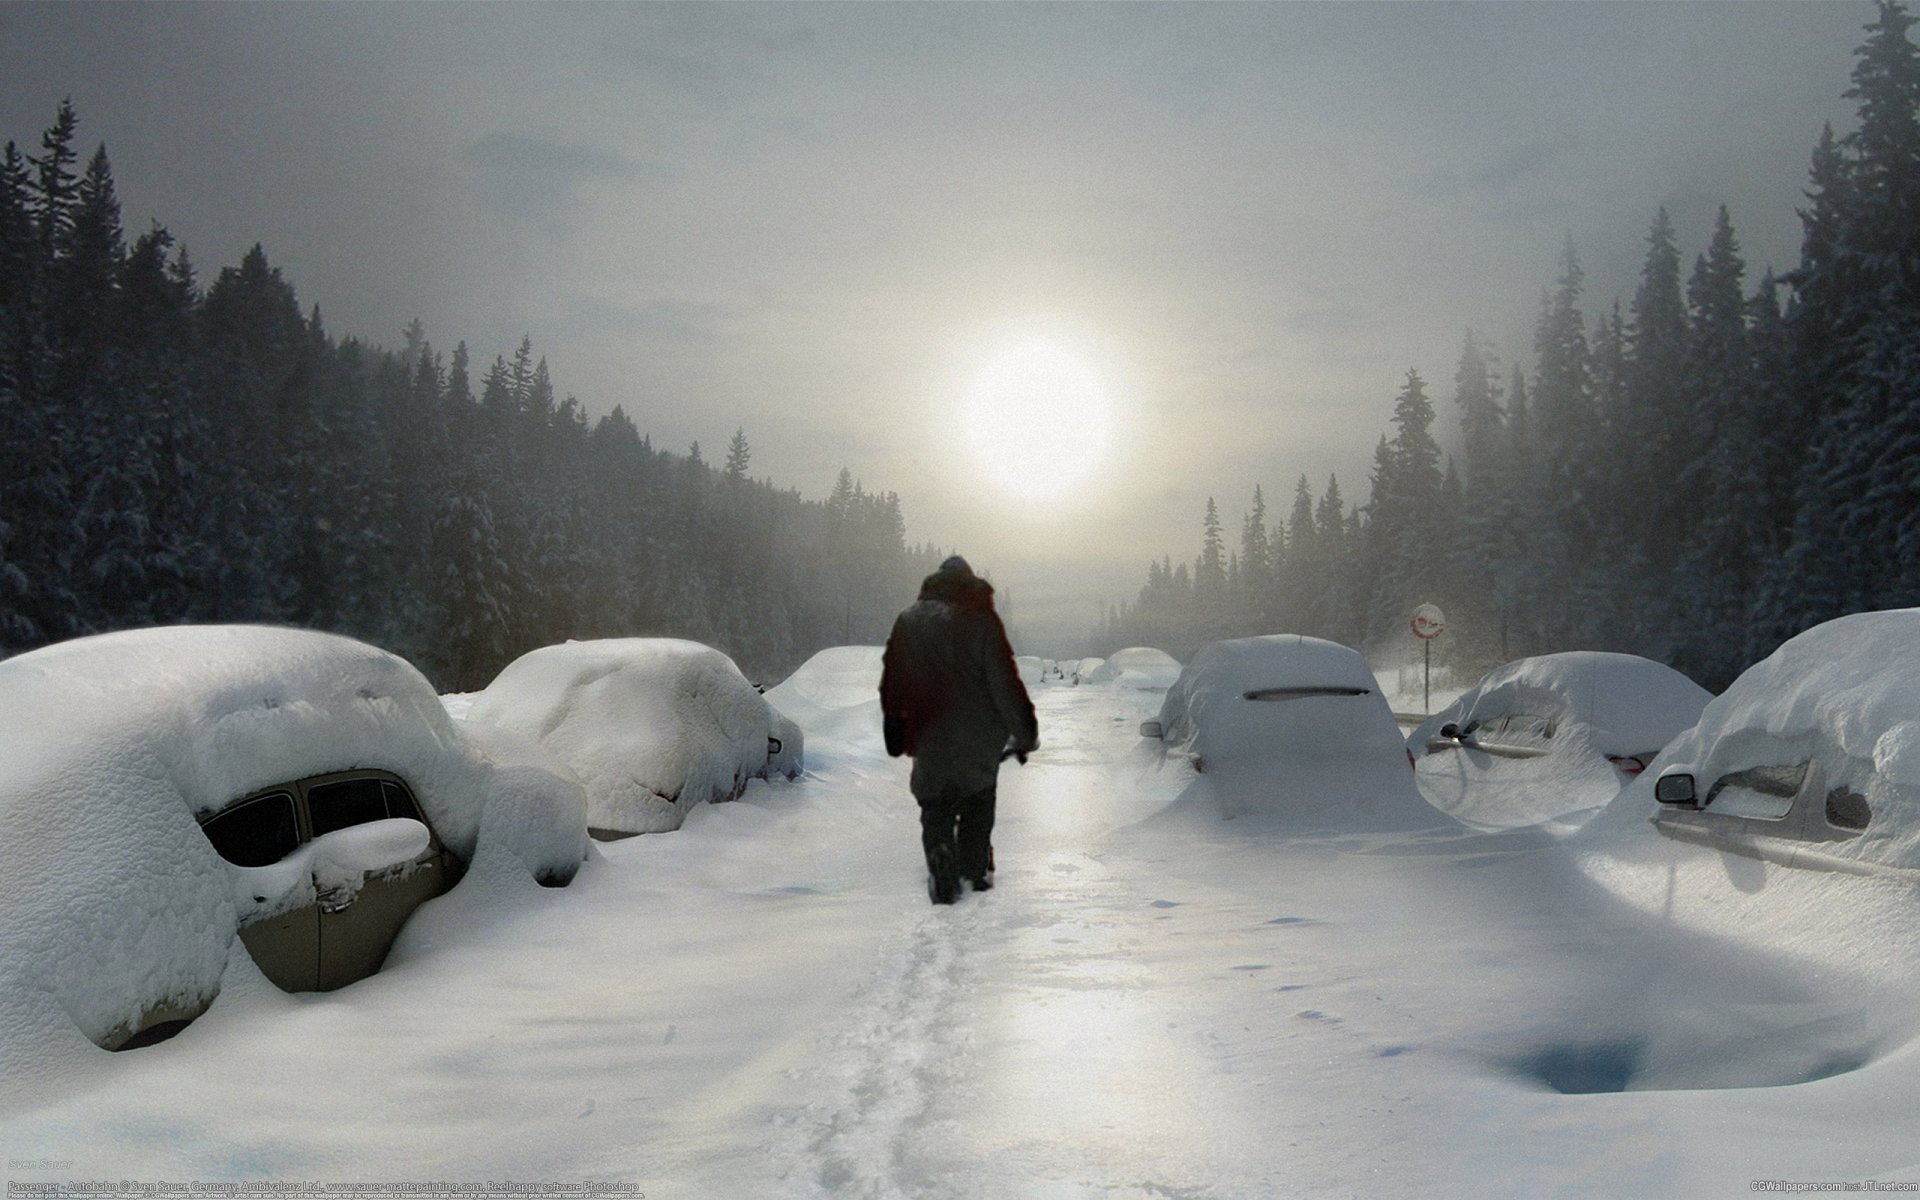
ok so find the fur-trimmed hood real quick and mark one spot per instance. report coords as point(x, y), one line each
point(960, 587)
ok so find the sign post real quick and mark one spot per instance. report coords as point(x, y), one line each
point(1428, 623)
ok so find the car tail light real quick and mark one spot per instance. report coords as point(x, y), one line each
point(1410, 763)
point(1632, 764)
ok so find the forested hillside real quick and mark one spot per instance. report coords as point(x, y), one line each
point(177, 452)
point(1695, 475)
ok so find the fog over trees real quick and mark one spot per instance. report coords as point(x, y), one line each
point(1695, 475)
point(178, 452)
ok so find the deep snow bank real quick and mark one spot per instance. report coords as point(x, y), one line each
point(652, 726)
point(111, 747)
point(1571, 711)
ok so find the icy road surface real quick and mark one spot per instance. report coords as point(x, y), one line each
point(1153, 1003)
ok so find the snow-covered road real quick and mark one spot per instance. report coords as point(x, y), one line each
point(1152, 1003)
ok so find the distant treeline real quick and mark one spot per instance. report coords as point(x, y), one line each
point(171, 453)
point(1694, 479)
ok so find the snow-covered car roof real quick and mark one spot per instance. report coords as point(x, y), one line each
point(1542, 732)
point(652, 726)
point(1137, 667)
point(1296, 724)
point(1833, 719)
point(112, 747)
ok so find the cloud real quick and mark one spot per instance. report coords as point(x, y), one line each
point(527, 178)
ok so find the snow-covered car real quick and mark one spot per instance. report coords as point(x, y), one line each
point(1032, 668)
point(835, 695)
point(1811, 758)
point(1292, 724)
point(652, 726)
point(1546, 739)
point(166, 793)
point(1140, 667)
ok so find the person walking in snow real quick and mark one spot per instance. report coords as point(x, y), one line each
point(951, 698)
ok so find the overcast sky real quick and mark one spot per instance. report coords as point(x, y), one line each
point(820, 222)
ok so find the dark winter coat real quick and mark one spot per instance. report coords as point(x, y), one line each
point(950, 694)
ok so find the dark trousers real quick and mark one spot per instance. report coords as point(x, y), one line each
point(964, 825)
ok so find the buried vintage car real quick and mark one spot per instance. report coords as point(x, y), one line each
point(1811, 758)
point(1551, 739)
point(652, 726)
point(1293, 725)
point(165, 793)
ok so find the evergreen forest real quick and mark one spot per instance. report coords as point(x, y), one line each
point(1694, 477)
point(173, 452)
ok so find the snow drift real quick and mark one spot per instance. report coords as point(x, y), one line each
point(114, 902)
point(652, 726)
point(1542, 731)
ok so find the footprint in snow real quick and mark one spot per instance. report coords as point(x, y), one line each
point(1166, 904)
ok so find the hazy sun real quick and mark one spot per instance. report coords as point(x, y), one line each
point(1038, 419)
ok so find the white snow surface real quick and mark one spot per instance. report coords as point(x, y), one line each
point(1602, 704)
point(652, 726)
point(112, 746)
point(1151, 1003)
point(1140, 667)
point(1326, 761)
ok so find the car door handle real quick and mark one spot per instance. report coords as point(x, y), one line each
point(334, 900)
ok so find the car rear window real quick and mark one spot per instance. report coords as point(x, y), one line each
point(257, 832)
point(1298, 693)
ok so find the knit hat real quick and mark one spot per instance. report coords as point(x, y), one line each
point(956, 563)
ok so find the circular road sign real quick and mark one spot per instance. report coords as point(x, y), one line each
point(1428, 622)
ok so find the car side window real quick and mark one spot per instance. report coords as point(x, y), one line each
point(1847, 810)
point(257, 832)
point(1759, 793)
point(345, 802)
point(400, 801)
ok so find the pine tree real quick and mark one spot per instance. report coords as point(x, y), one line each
point(738, 456)
point(1256, 569)
point(1727, 516)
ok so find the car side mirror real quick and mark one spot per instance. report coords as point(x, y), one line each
point(1450, 730)
point(1676, 790)
point(1151, 729)
point(774, 746)
point(345, 856)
